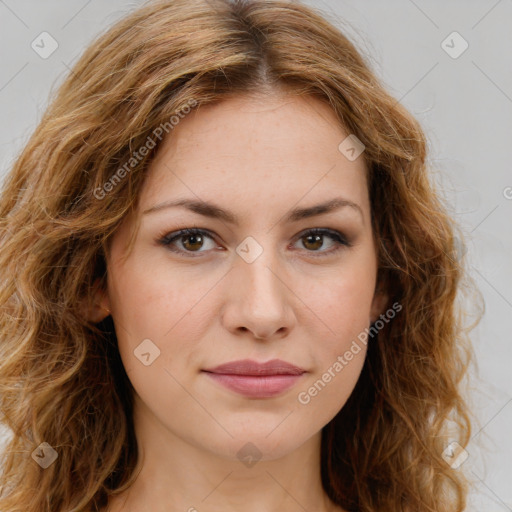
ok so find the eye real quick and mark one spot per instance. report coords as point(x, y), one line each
point(192, 240)
point(314, 239)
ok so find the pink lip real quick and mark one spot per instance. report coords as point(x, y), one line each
point(256, 380)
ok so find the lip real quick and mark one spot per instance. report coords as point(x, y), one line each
point(254, 379)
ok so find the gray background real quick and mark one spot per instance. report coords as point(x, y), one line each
point(464, 104)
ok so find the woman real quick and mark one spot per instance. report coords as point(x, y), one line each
point(227, 282)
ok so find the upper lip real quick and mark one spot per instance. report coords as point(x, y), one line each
point(251, 367)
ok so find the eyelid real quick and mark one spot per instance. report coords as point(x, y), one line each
point(168, 239)
point(341, 241)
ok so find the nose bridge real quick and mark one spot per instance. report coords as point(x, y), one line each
point(259, 298)
point(257, 274)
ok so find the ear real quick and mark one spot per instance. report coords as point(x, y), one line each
point(379, 303)
point(100, 307)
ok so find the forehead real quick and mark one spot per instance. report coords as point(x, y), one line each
point(257, 150)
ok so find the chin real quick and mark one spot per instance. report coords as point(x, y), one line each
point(257, 443)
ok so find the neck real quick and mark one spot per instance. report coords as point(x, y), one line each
point(174, 474)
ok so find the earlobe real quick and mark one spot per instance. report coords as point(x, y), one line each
point(380, 300)
point(99, 309)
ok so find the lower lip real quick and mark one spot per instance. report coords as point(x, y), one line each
point(256, 386)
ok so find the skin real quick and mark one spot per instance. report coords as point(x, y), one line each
point(258, 157)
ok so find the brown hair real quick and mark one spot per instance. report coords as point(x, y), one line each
point(62, 381)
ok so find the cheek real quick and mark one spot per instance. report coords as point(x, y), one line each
point(343, 306)
point(343, 315)
point(148, 300)
point(327, 392)
point(159, 313)
point(340, 354)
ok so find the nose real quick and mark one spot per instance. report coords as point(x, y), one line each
point(259, 300)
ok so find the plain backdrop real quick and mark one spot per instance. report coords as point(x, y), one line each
point(459, 86)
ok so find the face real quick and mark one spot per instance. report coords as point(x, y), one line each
point(257, 282)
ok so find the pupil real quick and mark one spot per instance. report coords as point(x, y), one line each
point(194, 239)
point(316, 238)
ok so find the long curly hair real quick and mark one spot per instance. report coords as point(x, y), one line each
point(62, 381)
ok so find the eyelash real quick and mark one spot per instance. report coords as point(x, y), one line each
point(169, 238)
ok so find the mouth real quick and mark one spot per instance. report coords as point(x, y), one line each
point(256, 380)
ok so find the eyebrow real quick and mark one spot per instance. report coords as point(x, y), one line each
point(216, 212)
